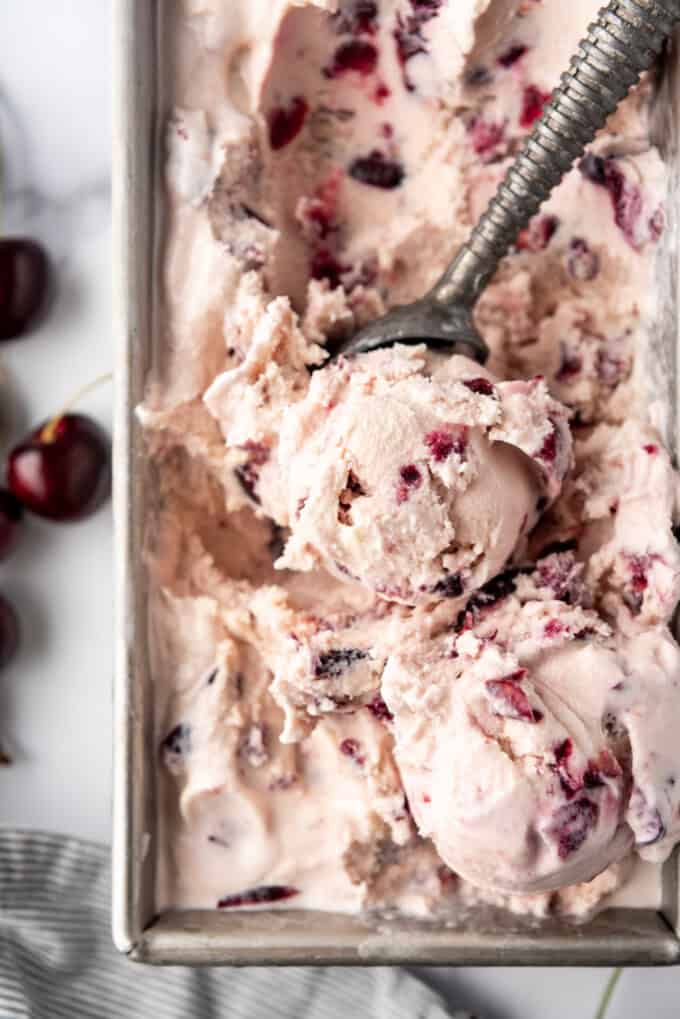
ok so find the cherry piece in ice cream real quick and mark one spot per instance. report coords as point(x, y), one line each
point(377, 171)
point(258, 896)
point(285, 122)
point(24, 284)
point(355, 55)
point(62, 470)
point(533, 101)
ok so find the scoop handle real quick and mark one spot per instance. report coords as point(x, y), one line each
point(621, 43)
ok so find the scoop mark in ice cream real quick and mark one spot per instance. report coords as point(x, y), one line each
point(377, 171)
point(257, 896)
point(355, 55)
point(332, 664)
point(571, 825)
point(285, 122)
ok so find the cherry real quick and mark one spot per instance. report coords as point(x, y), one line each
point(9, 632)
point(285, 122)
point(11, 512)
point(62, 470)
point(24, 285)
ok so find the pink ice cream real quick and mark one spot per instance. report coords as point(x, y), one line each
point(411, 643)
point(530, 741)
point(419, 480)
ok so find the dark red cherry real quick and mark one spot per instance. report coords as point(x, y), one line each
point(9, 632)
point(24, 285)
point(63, 469)
point(11, 512)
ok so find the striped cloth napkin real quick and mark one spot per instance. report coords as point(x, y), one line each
point(57, 958)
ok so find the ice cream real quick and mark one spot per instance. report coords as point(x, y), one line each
point(530, 739)
point(420, 481)
point(329, 534)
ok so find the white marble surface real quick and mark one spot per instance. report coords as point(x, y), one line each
point(55, 701)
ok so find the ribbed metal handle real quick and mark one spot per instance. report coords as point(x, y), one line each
point(622, 43)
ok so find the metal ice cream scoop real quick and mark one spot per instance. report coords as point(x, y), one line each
point(623, 42)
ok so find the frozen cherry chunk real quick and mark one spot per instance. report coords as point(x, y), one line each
point(482, 386)
point(539, 233)
point(625, 196)
point(176, 745)
point(408, 34)
point(379, 709)
point(645, 819)
point(258, 896)
point(509, 700)
point(450, 586)
point(512, 55)
point(248, 474)
point(377, 171)
point(285, 122)
point(485, 137)
point(354, 55)
point(582, 262)
point(572, 824)
point(332, 664)
point(533, 101)
point(442, 442)
point(352, 748)
point(483, 600)
point(410, 478)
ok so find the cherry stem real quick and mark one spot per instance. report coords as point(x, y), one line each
point(608, 992)
point(48, 433)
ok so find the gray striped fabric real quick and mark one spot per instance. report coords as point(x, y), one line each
point(57, 958)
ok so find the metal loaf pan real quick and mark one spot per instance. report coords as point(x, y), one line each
point(617, 936)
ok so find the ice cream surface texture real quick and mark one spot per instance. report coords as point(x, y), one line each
point(419, 484)
point(409, 615)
